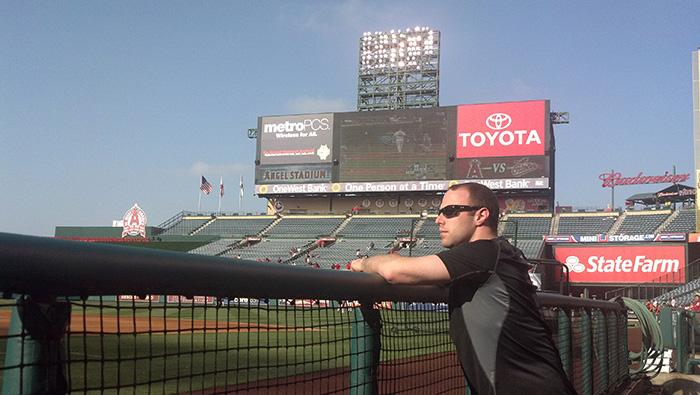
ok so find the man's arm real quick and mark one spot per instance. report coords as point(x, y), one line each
point(397, 269)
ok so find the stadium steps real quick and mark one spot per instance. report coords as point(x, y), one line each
point(204, 225)
point(341, 227)
point(268, 227)
point(231, 247)
point(174, 219)
point(555, 225)
point(303, 251)
point(668, 221)
point(616, 226)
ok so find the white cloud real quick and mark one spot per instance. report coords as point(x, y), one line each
point(307, 104)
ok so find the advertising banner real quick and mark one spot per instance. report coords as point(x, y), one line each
point(623, 263)
point(401, 186)
point(138, 299)
point(502, 129)
point(296, 139)
point(615, 238)
point(521, 203)
point(398, 145)
point(501, 167)
point(196, 300)
point(293, 173)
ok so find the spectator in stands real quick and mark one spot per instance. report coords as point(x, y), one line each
point(504, 345)
point(695, 304)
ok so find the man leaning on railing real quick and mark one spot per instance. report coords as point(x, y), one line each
point(504, 345)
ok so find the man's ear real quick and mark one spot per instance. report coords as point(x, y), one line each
point(482, 215)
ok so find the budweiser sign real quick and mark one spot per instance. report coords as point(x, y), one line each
point(623, 264)
point(501, 129)
point(613, 179)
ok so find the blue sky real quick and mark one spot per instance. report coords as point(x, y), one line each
point(104, 104)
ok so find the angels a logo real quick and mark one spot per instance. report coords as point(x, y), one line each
point(134, 222)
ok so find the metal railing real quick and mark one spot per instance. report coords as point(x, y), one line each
point(82, 317)
point(660, 285)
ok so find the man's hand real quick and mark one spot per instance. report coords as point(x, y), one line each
point(358, 265)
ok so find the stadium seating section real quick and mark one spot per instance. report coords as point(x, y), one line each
point(585, 223)
point(237, 227)
point(377, 227)
point(305, 227)
point(643, 222)
point(683, 222)
point(186, 226)
point(292, 239)
point(526, 226)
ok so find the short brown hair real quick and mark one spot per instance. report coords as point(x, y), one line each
point(481, 195)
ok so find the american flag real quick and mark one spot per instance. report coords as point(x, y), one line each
point(221, 187)
point(206, 186)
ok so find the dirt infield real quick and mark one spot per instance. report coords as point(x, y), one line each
point(428, 374)
point(92, 323)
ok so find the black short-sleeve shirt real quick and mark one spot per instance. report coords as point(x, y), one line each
point(504, 345)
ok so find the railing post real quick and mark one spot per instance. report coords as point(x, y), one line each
point(586, 351)
point(365, 343)
point(601, 349)
point(564, 340)
point(35, 349)
point(613, 347)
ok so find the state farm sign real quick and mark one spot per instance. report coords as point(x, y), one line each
point(501, 129)
point(624, 264)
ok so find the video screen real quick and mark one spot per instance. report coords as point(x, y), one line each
point(398, 145)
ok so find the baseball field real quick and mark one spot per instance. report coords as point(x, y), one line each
point(246, 347)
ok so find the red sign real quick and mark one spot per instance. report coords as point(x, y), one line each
point(501, 129)
point(624, 264)
point(136, 298)
point(614, 178)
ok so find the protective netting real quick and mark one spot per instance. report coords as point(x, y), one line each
point(172, 345)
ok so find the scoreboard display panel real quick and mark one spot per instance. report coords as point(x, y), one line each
point(505, 146)
point(399, 145)
point(502, 141)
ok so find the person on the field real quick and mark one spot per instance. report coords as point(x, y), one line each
point(504, 345)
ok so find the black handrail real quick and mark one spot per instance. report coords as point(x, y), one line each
point(54, 267)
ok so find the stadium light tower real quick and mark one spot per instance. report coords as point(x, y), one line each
point(399, 69)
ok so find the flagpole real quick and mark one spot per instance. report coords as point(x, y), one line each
point(221, 183)
point(199, 201)
point(240, 196)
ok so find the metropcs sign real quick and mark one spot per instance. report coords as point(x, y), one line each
point(623, 264)
point(501, 129)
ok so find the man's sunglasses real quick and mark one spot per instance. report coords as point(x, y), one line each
point(453, 210)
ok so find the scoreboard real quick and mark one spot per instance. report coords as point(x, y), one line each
point(506, 146)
